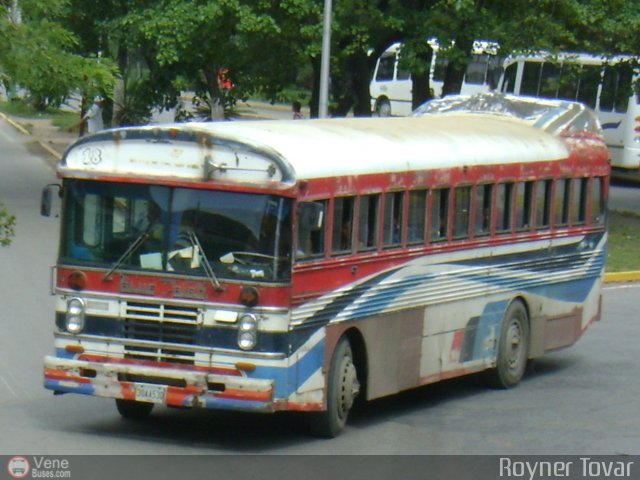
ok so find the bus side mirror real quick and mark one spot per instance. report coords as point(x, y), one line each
point(46, 199)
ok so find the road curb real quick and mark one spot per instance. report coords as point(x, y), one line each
point(15, 124)
point(50, 150)
point(619, 277)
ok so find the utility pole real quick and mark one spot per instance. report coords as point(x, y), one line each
point(324, 63)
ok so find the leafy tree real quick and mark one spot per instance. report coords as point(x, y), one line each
point(207, 43)
point(7, 226)
point(37, 54)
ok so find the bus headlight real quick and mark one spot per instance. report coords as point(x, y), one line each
point(74, 319)
point(247, 331)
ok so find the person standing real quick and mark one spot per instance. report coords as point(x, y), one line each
point(93, 117)
point(296, 107)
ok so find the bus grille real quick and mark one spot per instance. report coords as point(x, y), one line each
point(161, 324)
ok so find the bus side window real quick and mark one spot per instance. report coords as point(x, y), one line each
point(461, 212)
point(476, 72)
point(531, 79)
point(342, 234)
point(597, 201)
point(368, 220)
point(504, 207)
point(386, 65)
point(523, 205)
point(588, 86)
point(616, 88)
point(311, 228)
point(569, 81)
point(417, 216)
point(543, 203)
point(439, 218)
point(562, 201)
point(393, 210)
point(579, 201)
point(402, 73)
point(509, 82)
point(483, 201)
point(549, 80)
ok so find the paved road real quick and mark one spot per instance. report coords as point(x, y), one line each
point(576, 401)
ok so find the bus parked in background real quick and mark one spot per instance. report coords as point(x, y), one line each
point(604, 84)
point(391, 86)
point(302, 265)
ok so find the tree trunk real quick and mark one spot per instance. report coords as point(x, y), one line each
point(217, 109)
point(363, 66)
point(420, 85)
point(314, 101)
point(454, 73)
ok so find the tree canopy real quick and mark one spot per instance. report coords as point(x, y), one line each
point(151, 50)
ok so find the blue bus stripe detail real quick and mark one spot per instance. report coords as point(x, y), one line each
point(488, 326)
point(231, 404)
point(82, 388)
point(337, 305)
point(523, 272)
point(62, 353)
point(288, 380)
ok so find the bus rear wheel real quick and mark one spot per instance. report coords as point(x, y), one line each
point(383, 108)
point(513, 348)
point(343, 387)
point(132, 410)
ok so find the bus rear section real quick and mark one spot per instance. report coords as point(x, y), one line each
point(603, 84)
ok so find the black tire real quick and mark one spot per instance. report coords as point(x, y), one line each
point(132, 410)
point(343, 387)
point(383, 108)
point(513, 348)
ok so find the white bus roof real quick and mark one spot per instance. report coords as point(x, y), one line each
point(572, 57)
point(288, 151)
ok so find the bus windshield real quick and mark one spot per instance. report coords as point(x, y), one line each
point(230, 235)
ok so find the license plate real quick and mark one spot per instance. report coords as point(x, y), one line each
point(150, 393)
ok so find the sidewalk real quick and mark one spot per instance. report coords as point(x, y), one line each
point(51, 140)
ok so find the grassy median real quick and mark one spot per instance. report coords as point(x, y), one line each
point(624, 242)
point(22, 112)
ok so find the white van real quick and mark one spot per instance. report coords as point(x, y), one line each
point(390, 88)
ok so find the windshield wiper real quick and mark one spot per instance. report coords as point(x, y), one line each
point(207, 266)
point(128, 252)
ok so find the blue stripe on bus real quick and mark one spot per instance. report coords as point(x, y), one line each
point(288, 380)
point(488, 327)
point(572, 290)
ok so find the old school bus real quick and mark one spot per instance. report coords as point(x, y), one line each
point(301, 265)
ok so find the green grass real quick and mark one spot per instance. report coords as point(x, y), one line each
point(22, 112)
point(623, 253)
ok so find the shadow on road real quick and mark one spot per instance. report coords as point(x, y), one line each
point(242, 433)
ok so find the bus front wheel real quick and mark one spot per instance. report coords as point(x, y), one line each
point(513, 348)
point(132, 410)
point(343, 387)
point(383, 108)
